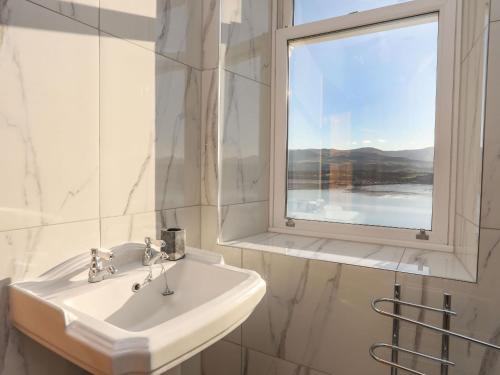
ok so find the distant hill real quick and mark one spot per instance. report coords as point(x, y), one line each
point(328, 168)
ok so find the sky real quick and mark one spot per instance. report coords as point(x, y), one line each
point(369, 90)
point(314, 10)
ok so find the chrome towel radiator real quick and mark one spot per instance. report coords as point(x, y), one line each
point(396, 316)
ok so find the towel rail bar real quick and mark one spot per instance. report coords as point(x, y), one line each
point(445, 332)
point(408, 351)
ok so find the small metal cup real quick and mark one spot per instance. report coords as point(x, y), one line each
point(175, 242)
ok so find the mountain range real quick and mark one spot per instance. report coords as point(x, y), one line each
point(327, 168)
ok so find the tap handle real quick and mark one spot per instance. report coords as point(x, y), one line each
point(149, 242)
point(101, 253)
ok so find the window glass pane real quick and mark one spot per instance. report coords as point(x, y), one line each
point(361, 118)
point(305, 11)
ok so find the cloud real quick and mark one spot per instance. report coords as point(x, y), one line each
point(367, 141)
point(381, 140)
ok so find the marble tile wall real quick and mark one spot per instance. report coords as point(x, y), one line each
point(495, 10)
point(316, 322)
point(470, 131)
point(471, 114)
point(33, 139)
point(245, 57)
point(236, 115)
point(100, 132)
point(477, 306)
point(490, 211)
point(49, 205)
point(209, 137)
point(86, 11)
point(210, 103)
point(172, 111)
point(245, 47)
point(171, 28)
point(245, 106)
point(210, 34)
point(319, 320)
point(475, 17)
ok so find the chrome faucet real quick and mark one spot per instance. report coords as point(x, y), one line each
point(101, 265)
point(151, 255)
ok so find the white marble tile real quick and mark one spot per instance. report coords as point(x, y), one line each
point(344, 252)
point(359, 254)
point(234, 336)
point(172, 28)
point(134, 228)
point(470, 133)
point(150, 131)
point(495, 10)
point(490, 211)
point(210, 34)
point(475, 18)
point(434, 263)
point(256, 363)
point(246, 38)
point(39, 360)
point(241, 220)
point(41, 115)
point(467, 244)
point(86, 11)
point(222, 358)
point(128, 122)
point(209, 237)
point(30, 252)
point(178, 135)
point(192, 366)
point(477, 306)
point(209, 137)
point(317, 313)
point(275, 242)
point(244, 142)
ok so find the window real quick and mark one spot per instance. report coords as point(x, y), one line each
point(363, 127)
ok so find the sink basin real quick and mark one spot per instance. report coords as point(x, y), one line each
point(106, 328)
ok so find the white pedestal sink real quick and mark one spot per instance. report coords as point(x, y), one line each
point(106, 328)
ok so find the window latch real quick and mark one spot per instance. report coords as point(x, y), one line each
point(422, 235)
point(290, 222)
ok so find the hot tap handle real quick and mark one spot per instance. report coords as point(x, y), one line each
point(149, 242)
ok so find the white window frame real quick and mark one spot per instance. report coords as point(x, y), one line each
point(441, 236)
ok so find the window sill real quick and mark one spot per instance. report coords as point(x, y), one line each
point(421, 262)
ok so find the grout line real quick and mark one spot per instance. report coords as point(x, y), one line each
point(150, 212)
point(64, 15)
point(245, 77)
point(209, 205)
point(98, 28)
point(108, 34)
point(97, 218)
point(284, 360)
point(400, 260)
point(240, 204)
point(489, 228)
point(465, 268)
point(474, 43)
point(49, 225)
point(468, 220)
